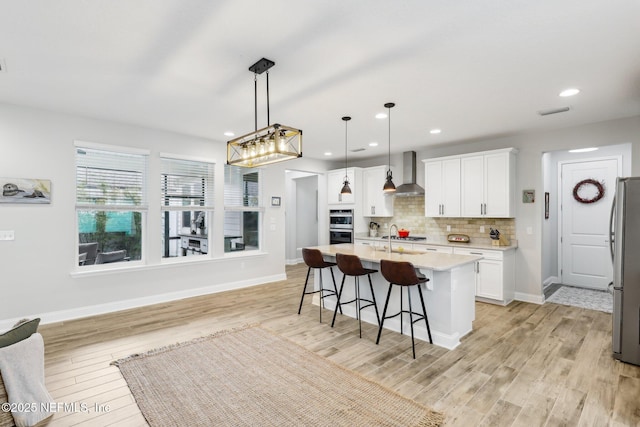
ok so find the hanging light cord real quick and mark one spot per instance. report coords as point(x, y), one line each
point(346, 122)
point(389, 114)
point(268, 119)
point(255, 101)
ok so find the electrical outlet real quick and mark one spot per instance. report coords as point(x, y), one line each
point(448, 228)
point(7, 235)
point(482, 228)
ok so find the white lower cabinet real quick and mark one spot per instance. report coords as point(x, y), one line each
point(495, 274)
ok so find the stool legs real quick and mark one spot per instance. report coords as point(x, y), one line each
point(411, 313)
point(424, 310)
point(357, 300)
point(384, 313)
point(321, 290)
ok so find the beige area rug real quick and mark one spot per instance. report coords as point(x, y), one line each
point(252, 377)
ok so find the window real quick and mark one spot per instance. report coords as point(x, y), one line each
point(111, 204)
point(187, 206)
point(242, 209)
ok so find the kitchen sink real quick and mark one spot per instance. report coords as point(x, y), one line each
point(399, 250)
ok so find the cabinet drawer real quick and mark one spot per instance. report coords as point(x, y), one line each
point(487, 254)
point(432, 249)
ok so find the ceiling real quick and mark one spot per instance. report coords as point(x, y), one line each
point(475, 69)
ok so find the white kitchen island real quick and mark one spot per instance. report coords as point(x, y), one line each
point(449, 295)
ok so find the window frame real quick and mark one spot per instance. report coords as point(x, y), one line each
point(142, 207)
point(208, 206)
point(259, 208)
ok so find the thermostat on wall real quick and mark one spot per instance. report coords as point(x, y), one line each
point(458, 238)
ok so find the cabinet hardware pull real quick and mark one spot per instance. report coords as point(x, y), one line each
point(476, 253)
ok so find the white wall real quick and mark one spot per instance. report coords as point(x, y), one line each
point(531, 147)
point(36, 267)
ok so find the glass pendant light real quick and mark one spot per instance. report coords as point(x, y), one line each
point(345, 188)
point(389, 187)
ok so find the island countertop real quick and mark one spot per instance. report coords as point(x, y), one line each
point(431, 261)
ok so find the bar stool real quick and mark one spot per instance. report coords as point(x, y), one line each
point(350, 265)
point(313, 258)
point(404, 275)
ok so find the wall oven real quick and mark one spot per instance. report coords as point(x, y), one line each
point(340, 226)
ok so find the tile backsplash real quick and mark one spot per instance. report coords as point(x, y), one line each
point(409, 213)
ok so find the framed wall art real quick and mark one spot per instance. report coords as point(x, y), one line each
point(25, 190)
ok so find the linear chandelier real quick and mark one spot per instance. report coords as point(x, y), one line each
point(271, 144)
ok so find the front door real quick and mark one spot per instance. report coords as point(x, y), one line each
point(585, 259)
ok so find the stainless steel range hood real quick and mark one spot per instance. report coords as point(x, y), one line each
point(409, 186)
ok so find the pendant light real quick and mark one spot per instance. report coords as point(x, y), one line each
point(274, 143)
point(345, 188)
point(389, 187)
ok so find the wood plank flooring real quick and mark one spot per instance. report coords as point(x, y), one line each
point(523, 365)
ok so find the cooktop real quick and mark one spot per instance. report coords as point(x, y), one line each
point(410, 238)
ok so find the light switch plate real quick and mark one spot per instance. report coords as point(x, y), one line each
point(7, 235)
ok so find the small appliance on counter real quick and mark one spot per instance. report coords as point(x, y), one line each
point(498, 239)
point(458, 238)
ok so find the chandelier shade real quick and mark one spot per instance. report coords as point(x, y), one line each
point(271, 144)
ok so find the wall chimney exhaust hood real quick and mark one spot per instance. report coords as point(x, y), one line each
point(409, 186)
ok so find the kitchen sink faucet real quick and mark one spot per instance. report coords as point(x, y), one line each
point(389, 234)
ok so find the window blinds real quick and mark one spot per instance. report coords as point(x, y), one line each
point(110, 179)
point(186, 183)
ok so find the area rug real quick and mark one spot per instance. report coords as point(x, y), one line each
point(253, 377)
point(585, 298)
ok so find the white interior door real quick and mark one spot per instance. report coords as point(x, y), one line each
point(585, 259)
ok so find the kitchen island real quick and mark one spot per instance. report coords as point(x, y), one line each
point(449, 294)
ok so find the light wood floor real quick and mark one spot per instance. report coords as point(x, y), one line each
point(523, 365)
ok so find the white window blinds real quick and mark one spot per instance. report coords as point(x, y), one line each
point(241, 188)
point(186, 183)
point(110, 179)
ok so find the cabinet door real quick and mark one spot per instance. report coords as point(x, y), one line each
point(497, 185)
point(376, 202)
point(472, 186)
point(335, 181)
point(450, 194)
point(489, 279)
point(433, 188)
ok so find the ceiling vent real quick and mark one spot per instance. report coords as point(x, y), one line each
point(409, 186)
point(553, 111)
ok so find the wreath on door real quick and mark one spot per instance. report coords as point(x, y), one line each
point(585, 183)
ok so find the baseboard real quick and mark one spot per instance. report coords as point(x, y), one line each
point(293, 261)
point(550, 281)
point(94, 310)
point(532, 298)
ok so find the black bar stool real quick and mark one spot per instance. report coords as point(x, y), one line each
point(313, 258)
point(404, 275)
point(350, 265)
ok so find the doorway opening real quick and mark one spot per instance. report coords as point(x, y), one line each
point(576, 219)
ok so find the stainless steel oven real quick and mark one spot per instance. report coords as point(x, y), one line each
point(340, 235)
point(340, 226)
point(341, 218)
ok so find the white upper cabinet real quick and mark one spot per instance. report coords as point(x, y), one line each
point(335, 181)
point(376, 202)
point(488, 184)
point(442, 187)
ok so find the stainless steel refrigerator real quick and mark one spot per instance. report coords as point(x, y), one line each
point(625, 253)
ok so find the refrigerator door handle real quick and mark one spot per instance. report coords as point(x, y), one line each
point(611, 231)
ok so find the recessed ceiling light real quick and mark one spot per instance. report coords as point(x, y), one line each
point(373, 144)
point(435, 131)
point(583, 150)
point(381, 116)
point(569, 92)
point(328, 153)
point(229, 133)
